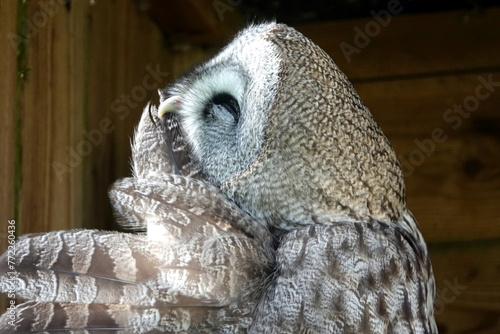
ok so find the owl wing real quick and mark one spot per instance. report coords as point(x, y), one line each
point(193, 270)
point(174, 201)
point(348, 278)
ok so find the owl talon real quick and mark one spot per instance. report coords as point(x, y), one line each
point(169, 105)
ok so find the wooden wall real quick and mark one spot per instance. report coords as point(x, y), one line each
point(86, 73)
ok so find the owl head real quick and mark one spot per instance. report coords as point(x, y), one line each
point(274, 123)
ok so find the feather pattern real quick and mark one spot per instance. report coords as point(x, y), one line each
point(200, 265)
point(271, 202)
point(347, 278)
point(186, 273)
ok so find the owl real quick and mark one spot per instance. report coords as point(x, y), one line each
point(264, 199)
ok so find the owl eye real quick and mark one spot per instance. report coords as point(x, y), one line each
point(223, 103)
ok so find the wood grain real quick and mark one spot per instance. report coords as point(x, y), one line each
point(125, 48)
point(8, 15)
point(424, 44)
point(452, 179)
point(51, 114)
point(8, 129)
point(204, 22)
point(468, 289)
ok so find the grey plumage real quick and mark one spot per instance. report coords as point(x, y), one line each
point(270, 202)
point(192, 270)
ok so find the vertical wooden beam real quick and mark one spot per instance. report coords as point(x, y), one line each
point(8, 64)
point(8, 130)
point(52, 117)
point(128, 62)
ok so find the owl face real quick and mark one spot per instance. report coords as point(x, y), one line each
point(223, 105)
point(274, 123)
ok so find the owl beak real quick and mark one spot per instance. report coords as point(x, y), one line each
point(169, 105)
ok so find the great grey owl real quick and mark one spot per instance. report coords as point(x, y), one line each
point(264, 199)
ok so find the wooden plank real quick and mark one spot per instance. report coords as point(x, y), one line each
point(8, 128)
point(77, 35)
point(51, 114)
point(413, 106)
point(467, 285)
point(8, 65)
point(454, 194)
point(454, 181)
point(67, 119)
point(34, 125)
point(416, 44)
point(206, 22)
point(127, 63)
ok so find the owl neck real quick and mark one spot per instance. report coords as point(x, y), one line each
point(278, 194)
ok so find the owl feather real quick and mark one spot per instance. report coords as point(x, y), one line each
point(200, 265)
point(264, 199)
